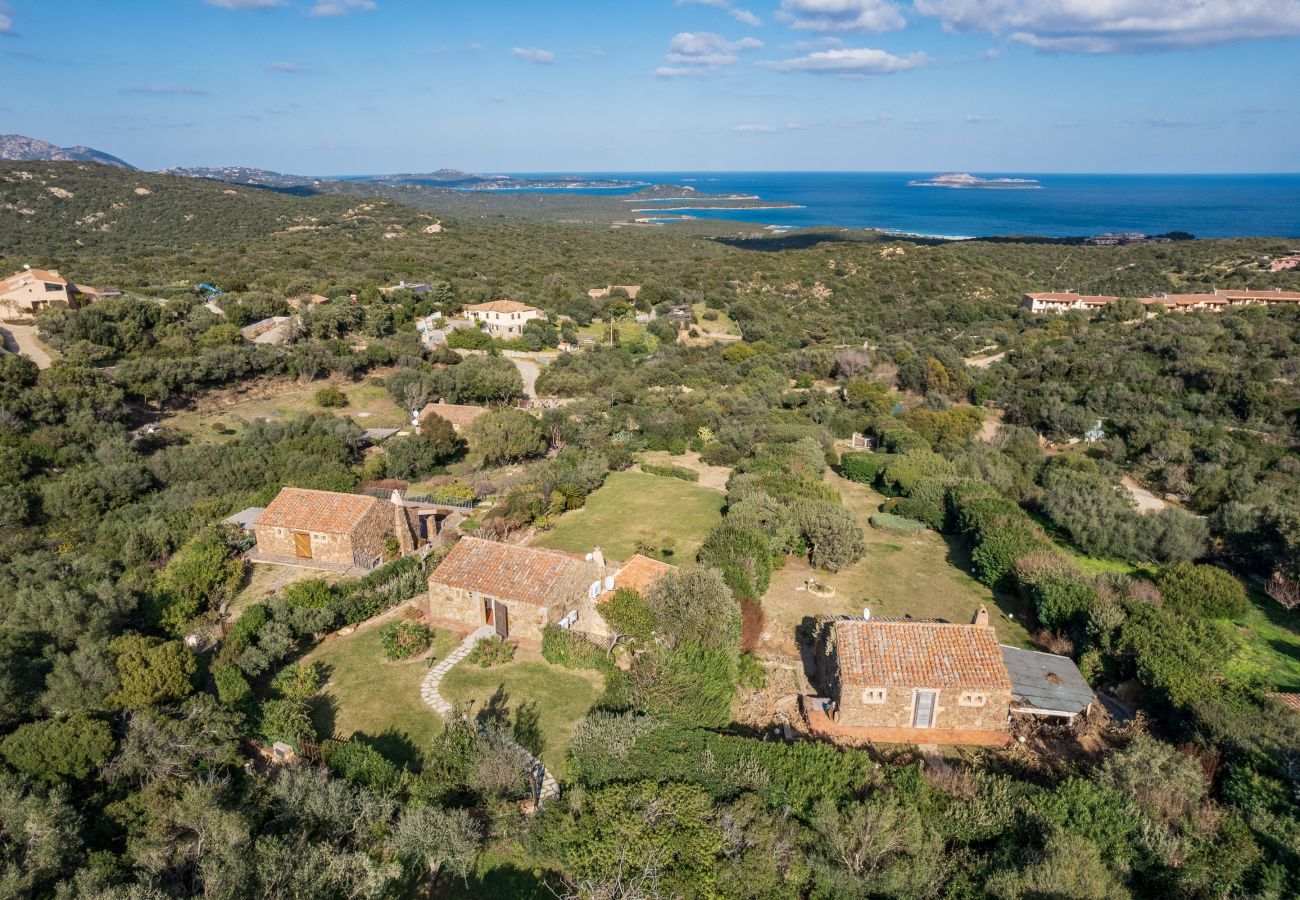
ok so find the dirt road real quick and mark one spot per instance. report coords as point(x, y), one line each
point(22, 339)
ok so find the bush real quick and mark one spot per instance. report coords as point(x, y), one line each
point(995, 555)
point(893, 524)
point(382, 589)
point(834, 537)
point(402, 640)
point(627, 612)
point(671, 472)
point(921, 510)
point(862, 467)
point(571, 650)
point(744, 557)
point(491, 651)
point(1200, 590)
point(330, 397)
point(361, 764)
point(57, 749)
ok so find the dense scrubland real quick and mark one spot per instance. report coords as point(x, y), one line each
point(123, 751)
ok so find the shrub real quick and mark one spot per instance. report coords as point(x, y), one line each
point(995, 555)
point(921, 510)
point(328, 397)
point(744, 557)
point(834, 537)
point(862, 467)
point(233, 689)
point(314, 593)
point(402, 640)
point(626, 612)
point(893, 524)
point(491, 651)
point(1201, 590)
point(361, 764)
point(382, 589)
point(691, 683)
point(902, 472)
point(679, 472)
point(571, 650)
point(57, 749)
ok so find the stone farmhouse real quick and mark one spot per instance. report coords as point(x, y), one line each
point(520, 590)
point(504, 318)
point(912, 681)
point(459, 415)
point(326, 529)
point(32, 290)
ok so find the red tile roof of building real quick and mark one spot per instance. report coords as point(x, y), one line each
point(28, 275)
point(919, 654)
point(324, 512)
point(502, 306)
point(1070, 297)
point(529, 575)
point(1266, 296)
point(640, 572)
point(1291, 700)
point(455, 413)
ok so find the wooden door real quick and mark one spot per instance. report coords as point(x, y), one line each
point(489, 612)
point(503, 621)
point(923, 715)
point(302, 544)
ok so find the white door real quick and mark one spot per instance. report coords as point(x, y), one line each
point(923, 714)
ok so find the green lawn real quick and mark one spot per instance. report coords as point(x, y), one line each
point(627, 330)
point(633, 506)
point(926, 576)
point(365, 694)
point(1270, 650)
point(369, 405)
point(563, 696)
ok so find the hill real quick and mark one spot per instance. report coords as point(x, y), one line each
point(18, 147)
point(57, 207)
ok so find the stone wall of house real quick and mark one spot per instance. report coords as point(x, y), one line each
point(899, 702)
point(366, 539)
point(465, 607)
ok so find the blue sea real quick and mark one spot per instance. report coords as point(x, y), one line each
point(1065, 206)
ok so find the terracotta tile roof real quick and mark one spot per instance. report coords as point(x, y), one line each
point(1291, 700)
point(1265, 296)
point(529, 575)
point(639, 572)
point(48, 275)
point(454, 413)
point(1069, 297)
point(324, 512)
point(502, 306)
point(919, 654)
point(1185, 300)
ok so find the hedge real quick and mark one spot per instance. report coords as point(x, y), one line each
point(896, 524)
point(671, 472)
point(572, 651)
point(862, 467)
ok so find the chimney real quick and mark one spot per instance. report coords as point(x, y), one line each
point(598, 557)
point(866, 614)
point(396, 498)
point(981, 616)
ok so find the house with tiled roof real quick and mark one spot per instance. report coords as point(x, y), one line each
point(336, 529)
point(32, 290)
point(1064, 301)
point(459, 415)
point(503, 318)
point(912, 681)
point(520, 590)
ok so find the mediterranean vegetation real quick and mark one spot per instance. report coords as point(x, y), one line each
point(141, 706)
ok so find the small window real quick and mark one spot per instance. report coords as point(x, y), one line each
point(972, 698)
point(873, 695)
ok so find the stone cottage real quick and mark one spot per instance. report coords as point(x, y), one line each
point(327, 527)
point(521, 590)
point(912, 681)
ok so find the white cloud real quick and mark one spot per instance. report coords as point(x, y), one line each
point(1112, 26)
point(704, 48)
point(341, 7)
point(534, 55)
point(680, 72)
point(744, 16)
point(167, 90)
point(979, 120)
point(244, 4)
point(287, 68)
point(841, 15)
point(6, 18)
point(859, 62)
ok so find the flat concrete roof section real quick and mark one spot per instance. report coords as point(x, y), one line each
point(246, 518)
point(1046, 684)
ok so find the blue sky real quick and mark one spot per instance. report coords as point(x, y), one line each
point(368, 86)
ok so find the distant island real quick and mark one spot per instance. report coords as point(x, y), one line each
point(966, 180)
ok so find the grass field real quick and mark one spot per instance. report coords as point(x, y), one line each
point(1270, 649)
point(365, 694)
point(627, 330)
point(563, 696)
point(369, 405)
point(632, 506)
point(924, 576)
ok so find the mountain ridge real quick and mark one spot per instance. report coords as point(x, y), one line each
point(21, 148)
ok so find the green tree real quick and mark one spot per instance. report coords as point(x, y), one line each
point(57, 749)
point(1201, 590)
point(507, 435)
point(151, 671)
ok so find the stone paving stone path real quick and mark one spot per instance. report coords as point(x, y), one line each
point(429, 694)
